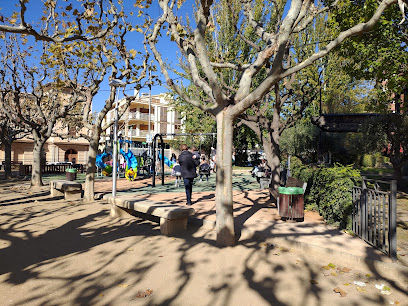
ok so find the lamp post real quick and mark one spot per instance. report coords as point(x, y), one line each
point(115, 83)
point(150, 113)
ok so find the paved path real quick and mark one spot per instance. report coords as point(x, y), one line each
point(254, 215)
point(56, 252)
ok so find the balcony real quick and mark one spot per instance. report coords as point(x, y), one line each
point(140, 116)
point(140, 133)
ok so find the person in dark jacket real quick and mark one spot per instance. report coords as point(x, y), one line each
point(188, 170)
point(195, 152)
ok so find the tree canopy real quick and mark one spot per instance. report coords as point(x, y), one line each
point(272, 32)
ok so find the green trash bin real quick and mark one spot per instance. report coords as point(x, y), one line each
point(291, 203)
point(71, 174)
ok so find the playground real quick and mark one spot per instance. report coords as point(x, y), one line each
point(71, 252)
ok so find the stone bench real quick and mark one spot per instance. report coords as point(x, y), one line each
point(173, 218)
point(70, 190)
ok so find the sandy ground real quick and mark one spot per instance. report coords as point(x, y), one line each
point(56, 252)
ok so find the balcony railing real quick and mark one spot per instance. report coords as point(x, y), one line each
point(140, 133)
point(144, 133)
point(140, 116)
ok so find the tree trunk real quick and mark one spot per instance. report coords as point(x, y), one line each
point(223, 192)
point(272, 150)
point(89, 193)
point(7, 158)
point(36, 178)
point(397, 171)
point(275, 148)
point(272, 153)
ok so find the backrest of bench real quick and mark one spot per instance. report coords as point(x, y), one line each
point(294, 182)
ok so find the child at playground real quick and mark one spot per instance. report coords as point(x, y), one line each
point(130, 174)
point(204, 169)
point(173, 158)
point(177, 173)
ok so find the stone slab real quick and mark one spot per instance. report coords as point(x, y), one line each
point(65, 185)
point(158, 209)
point(70, 190)
point(170, 227)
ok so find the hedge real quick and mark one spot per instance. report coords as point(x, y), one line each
point(329, 191)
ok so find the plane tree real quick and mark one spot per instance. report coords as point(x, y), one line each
point(111, 60)
point(270, 50)
point(33, 95)
point(87, 43)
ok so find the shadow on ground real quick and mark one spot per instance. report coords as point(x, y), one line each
point(59, 252)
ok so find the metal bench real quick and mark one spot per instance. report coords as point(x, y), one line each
point(173, 218)
point(70, 190)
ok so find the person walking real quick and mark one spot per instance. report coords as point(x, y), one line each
point(188, 170)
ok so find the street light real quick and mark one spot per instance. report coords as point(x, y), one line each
point(115, 83)
point(149, 137)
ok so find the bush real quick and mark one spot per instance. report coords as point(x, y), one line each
point(375, 160)
point(329, 191)
point(368, 160)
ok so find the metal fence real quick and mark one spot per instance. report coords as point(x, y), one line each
point(26, 169)
point(374, 214)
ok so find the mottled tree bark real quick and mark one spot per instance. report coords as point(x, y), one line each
point(223, 191)
point(36, 178)
point(89, 192)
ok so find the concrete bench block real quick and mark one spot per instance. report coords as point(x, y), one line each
point(173, 218)
point(73, 195)
point(170, 227)
point(56, 192)
point(70, 190)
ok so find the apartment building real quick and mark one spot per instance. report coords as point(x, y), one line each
point(134, 124)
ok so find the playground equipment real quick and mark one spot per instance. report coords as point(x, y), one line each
point(130, 174)
point(162, 150)
point(166, 161)
point(100, 162)
point(131, 162)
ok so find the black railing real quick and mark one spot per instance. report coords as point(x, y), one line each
point(26, 169)
point(374, 215)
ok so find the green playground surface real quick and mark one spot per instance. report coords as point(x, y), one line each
point(241, 181)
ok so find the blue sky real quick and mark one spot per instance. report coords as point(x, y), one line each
point(133, 41)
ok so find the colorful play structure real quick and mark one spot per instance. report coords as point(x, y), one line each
point(167, 161)
point(100, 162)
point(131, 162)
